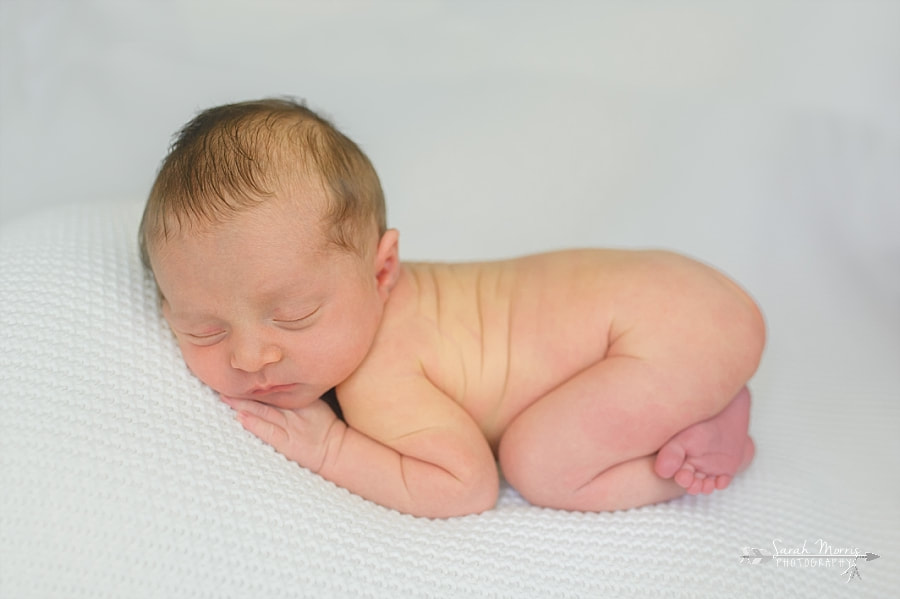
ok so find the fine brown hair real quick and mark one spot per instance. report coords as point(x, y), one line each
point(232, 157)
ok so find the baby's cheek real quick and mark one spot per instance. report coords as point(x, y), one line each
point(205, 365)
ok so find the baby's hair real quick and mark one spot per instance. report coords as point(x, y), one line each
point(233, 157)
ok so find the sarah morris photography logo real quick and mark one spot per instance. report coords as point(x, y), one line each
point(820, 554)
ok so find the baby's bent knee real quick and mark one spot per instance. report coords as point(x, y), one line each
point(527, 470)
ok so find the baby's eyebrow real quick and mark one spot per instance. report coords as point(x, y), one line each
point(189, 316)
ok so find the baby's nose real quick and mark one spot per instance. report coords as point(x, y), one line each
point(252, 355)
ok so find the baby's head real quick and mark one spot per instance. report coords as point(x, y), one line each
point(265, 231)
point(231, 158)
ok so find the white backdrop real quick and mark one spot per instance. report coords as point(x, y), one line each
point(763, 137)
point(497, 127)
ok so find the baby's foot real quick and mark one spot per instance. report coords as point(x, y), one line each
point(705, 456)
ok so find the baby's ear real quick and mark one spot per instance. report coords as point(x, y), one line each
point(387, 262)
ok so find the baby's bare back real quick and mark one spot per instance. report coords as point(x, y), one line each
point(496, 336)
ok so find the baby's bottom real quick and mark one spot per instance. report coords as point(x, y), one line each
point(574, 450)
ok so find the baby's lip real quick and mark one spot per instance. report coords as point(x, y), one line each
point(269, 389)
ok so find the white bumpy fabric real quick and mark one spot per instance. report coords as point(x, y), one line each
point(123, 476)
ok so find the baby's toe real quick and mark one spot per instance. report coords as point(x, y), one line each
point(669, 460)
point(709, 485)
point(722, 481)
point(684, 478)
point(696, 487)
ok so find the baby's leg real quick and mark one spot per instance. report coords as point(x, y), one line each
point(590, 444)
point(705, 456)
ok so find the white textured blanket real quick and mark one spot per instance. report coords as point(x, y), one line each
point(122, 476)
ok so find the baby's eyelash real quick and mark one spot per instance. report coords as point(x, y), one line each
point(205, 336)
point(296, 320)
point(301, 319)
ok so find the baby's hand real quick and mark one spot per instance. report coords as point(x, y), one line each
point(301, 435)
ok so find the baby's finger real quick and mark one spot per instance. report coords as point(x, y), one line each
point(266, 430)
point(260, 410)
point(266, 422)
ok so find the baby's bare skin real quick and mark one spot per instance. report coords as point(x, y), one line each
point(599, 380)
point(672, 342)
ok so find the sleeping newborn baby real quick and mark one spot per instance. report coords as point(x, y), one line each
point(597, 379)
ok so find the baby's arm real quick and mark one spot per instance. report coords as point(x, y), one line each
point(431, 460)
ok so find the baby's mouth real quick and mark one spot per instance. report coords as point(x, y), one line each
point(270, 389)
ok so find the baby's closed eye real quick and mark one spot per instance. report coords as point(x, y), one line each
point(296, 323)
point(203, 337)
